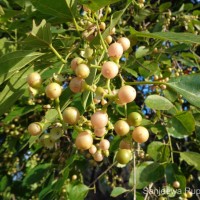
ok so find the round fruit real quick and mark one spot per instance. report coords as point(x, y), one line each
point(115, 50)
point(82, 71)
point(76, 85)
point(75, 62)
point(100, 132)
point(102, 26)
point(126, 94)
point(140, 134)
point(71, 115)
point(176, 184)
point(34, 80)
point(35, 129)
point(74, 177)
point(98, 156)
point(108, 39)
point(53, 90)
point(56, 133)
point(125, 42)
point(134, 119)
point(84, 140)
point(121, 127)
point(93, 149)
point(99, 119)
point(125, 144)
point(109, 70)
point(189, 194)
point(104, 144)
point(123, 156)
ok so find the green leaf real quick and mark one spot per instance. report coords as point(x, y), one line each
point(77, 191)
point(40, 35)
point(96, 5)
point(181, 125)
point(141, 51)
point(3, 183)
point(148, 68)
point(36, 174)
point(13, 90)
point(174, 174)
point(192, 158)
point(131, 71)
point(158, 102)
point(59, 10)
point(171, 36)
point(118, 191)
point(164, 6)
point(158, 151)
point(146, 173)
point(12, 62)
point(188, 86)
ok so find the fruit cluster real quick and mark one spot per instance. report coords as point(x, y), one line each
point(94, 128)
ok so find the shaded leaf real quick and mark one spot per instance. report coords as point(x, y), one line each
point(141, 51)
point(36, 174)
point(181, 125)
point(118, 191)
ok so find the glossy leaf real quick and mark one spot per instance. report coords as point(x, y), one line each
point(181, 125)
point(12, 62)
point(158, 102)
point(171, 36)
point(188, 86)
point(96, 5)
point(118, 191)
point(192, 158)
point(40, 35)
point(59, 10)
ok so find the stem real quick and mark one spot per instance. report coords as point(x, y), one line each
point(57, 54)
point(171, 148)
point(134, 181)
point(57, 106)
point(102, 174)
point(146, 82)
point(108, 86)
point(61, 68)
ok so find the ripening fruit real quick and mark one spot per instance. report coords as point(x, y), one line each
point(121, 127)
point(98, 156)
point(71, 115)
point(125, 144)
point(123, 156)
point(125, 42)
point(35, 128)
point(56, 133)
point(126, 94)
point(113, 30)
point(102, 26)
point(76, 85)
point(104, 144)
point(134, 119)
point(140, 134)
point(109, 70)
point(82, 71)
point(93, 149)
point(99, 119)
point(84, 140)
point(115, 50)
point(176, 184)
point(189, 194)
point(108, 39)
point(34, 80)
point(100, 132)
point(74, 177)
point(53, 90)
point(75, 62)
